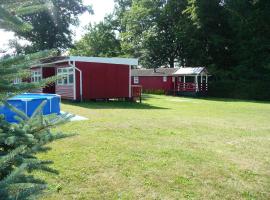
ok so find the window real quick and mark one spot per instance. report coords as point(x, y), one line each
point(66, 76)
point(17, 81)
point(36, 76)
point(180, 79)
point(164, 78)
point(173, 79)
point(136, 80)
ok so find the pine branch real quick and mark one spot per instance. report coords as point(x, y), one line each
point(5, 160)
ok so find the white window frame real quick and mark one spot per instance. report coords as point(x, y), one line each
point(17, 81)
point(65, 73)
point(136, 80)
point(165, 78)
point(36, 76)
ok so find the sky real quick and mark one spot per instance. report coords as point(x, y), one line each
point(100, 7)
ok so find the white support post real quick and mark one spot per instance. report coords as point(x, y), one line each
point(184, 82)
point(74, 81)
point(196, 83)
point(206, 84)
point(201, 86)
point(130, 88)
point(75, 84)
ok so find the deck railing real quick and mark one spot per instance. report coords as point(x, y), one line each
point(136, 92)
point(191, 87)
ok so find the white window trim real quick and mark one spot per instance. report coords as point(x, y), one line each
point(136, 80)
point(36, 76)
point(69, 71)
point(165, 78)
point(17, 81)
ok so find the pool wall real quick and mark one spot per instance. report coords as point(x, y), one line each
point(29, 102)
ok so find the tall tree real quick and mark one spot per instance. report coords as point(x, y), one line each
point(159, 32)
point(100, 40)
point(52, 26)
point(19, 143)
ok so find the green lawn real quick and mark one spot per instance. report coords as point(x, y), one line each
point(165, 148)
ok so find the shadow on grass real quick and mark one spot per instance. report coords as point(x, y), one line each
point(230, 100)
point(112, 105)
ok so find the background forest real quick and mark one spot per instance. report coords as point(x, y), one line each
point(230, 37)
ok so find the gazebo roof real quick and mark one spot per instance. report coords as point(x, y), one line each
point(190, 71)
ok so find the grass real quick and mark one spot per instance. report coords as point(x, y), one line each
point(165, 148)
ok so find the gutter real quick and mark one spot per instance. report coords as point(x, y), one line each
point(75, 82)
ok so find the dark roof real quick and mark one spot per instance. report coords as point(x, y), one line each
point(151, 72)
point(53, 59)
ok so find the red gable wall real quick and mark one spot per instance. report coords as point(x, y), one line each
point(103, 80)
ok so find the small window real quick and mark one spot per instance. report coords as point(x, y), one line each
point(164, 78)
point(173, 79)
point(17, 81)
point(71, 78)
point(136, 80)
point(36, 76)
point(67, 76)
point(180, 79)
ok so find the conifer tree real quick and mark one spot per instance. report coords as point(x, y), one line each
point(19, 143)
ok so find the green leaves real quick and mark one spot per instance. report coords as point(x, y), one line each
point(11, 11)
point(19, 67)
point(19, 143)
point(99, 41)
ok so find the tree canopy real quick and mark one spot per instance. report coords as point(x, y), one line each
point(230, 37)
point(100, 40)
point(51, 25)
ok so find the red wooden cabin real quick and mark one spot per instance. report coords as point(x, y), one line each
point(177, 81)
point(160, 79)
point(87, 78)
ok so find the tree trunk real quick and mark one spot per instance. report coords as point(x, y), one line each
point(171, 62)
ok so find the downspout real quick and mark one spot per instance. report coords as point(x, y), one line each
point(130, 93)
point(75, 68)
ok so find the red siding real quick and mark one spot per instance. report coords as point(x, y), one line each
point(155, 83)
point(103, 80)
point(78, 96)
point(65, 91)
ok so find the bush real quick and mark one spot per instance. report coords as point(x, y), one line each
point(242, 89)
point(154, 92)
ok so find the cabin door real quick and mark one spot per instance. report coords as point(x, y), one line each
point(46, 73)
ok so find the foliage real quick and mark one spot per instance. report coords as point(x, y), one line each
point(18, 68)
point(100, 40)
point(229, 37)
point(52, 26)
point(154, 91)
point(19, 143)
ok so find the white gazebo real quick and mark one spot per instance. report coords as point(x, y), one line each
point(191, 79)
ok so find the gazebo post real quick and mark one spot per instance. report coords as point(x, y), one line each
point(201, 86)
point(206, 84)
point(196, 82)
point(184, 82)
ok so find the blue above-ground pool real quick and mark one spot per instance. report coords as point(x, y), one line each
point(29, 102)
